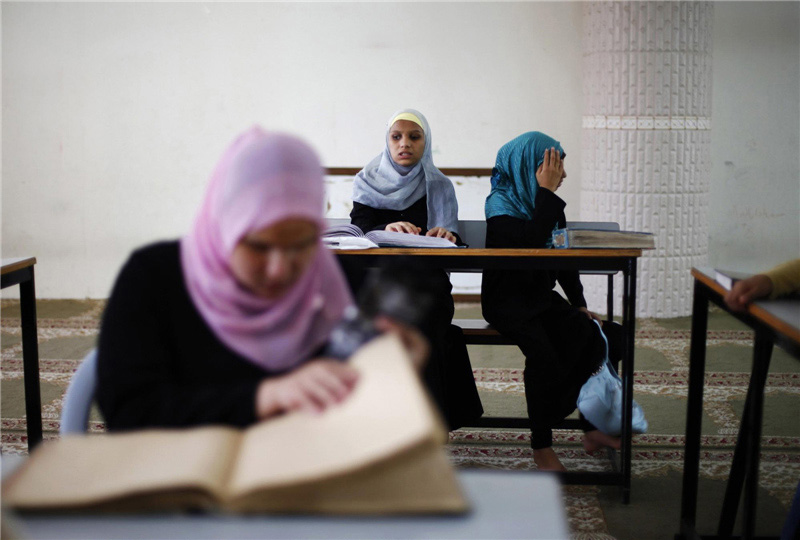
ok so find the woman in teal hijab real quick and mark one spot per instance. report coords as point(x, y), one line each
point(556, 335)
point(514, 177)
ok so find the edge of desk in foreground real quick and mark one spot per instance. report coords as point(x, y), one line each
point(14, 264)
point(493, 252)
point(753, 309)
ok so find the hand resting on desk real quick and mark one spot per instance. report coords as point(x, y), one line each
point(783, 279)
point(745, 291)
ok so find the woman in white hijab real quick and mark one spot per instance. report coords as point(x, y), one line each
point(401, 190)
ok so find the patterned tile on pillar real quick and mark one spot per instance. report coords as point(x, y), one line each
point(647, 84)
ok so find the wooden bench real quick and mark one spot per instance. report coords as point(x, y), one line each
point(473, 233)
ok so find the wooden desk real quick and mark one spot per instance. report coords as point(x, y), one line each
point(774, 322)
point(20, 272)
point(473, 234)
point(624, 260)
point(504, 505)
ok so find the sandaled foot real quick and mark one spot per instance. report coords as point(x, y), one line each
point(596, 440)
point(547, 460)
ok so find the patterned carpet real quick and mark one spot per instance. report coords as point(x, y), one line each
point(68, 329)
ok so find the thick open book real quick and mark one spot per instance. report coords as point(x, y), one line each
point(596, 238)
point(379, 452)
point(349, 236)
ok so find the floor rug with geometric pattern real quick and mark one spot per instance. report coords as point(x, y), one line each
point(68, 329)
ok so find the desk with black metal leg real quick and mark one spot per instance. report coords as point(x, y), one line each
point(20, 272)
point(774, 322)
point(614, 260)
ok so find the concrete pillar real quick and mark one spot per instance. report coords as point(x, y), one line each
point(646, 140)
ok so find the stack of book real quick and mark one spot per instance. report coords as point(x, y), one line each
point(596, 238)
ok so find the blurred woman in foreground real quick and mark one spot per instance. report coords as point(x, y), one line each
point(226, 325)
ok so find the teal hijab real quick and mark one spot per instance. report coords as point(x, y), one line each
point(514, 182)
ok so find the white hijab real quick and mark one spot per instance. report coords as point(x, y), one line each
point(384, 184)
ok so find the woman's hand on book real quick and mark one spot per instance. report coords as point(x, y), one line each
point(441, 232)
point(403, 227)
point(312, 387)
point(745, 291)
point(414, 342)
point(551, 172)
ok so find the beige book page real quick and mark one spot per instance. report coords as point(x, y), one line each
point(84, 470)
point(419, 481)
point(386, 413)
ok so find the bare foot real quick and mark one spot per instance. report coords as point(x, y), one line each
point(595, 440)
point(547, 460)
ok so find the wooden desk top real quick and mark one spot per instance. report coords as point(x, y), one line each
point(485, 252)
point(14, 264)
point(447, 171)
point(783, 316)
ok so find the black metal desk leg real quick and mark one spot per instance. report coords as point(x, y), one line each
point(762, 353)
point(694, 411)
point(30, 361)
point(733, 491)
point(610, 298)
point(629, 324)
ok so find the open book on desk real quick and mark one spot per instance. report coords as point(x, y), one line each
point(349, 236)
point(379, 452)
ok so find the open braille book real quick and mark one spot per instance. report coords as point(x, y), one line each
point(379, 452)
point(349, 236)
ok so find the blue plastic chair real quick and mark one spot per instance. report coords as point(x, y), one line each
point(79, 397)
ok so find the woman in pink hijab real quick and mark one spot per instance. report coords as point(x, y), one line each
point(225, 325)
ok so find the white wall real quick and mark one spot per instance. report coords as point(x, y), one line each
point(754, 207)
point(114, 114)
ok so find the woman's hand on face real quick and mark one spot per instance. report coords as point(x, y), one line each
point(403, 227)
point(414, 342)
point(441, 232)
point(312, 387)
point(591, 314)
point(551, 172)
point(745, 291)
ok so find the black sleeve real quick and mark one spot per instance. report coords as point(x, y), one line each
point(144, 380)
point(570, 282)
point(367, 218)
point(507, 231)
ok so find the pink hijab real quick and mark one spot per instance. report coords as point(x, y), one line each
point(263, 178)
